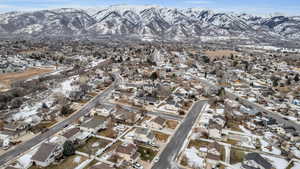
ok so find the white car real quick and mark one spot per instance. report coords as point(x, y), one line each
point(137, 165)
point(155, 160)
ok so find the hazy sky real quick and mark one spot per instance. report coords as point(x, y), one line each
point(289, 7)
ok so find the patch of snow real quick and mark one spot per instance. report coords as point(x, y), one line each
point(25, 161)
point(33, 119)
point(193, 159)
point(220, 111)
point(195, 136)
point(106, 156)
point(296, 152)
point(265, 144)
point(96, 144)
point(278, 163)
point(77, 159)
point(95, 63)
point(203, 149)
point(296, 165)
point(66, 87)
point(245, 130)
point(247, 144)
point(269, 135)
point(28, 111)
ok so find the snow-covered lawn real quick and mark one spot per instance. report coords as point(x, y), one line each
point(296, 152)
point(28, 111)
point(77, 159)
point(247, 144)
point(193, 159)
point(96, 144)
point(296, 165)
point(245, 130)
point(278, 163)
point(66, 87)
point(265, 144)
point(96, 62)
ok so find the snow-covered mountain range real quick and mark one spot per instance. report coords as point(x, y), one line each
point(147, 21)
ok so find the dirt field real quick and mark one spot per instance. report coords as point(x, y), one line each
point(8, 78)
point(220, 53)
point(171, 124)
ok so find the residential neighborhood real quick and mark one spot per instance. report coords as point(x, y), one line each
point(149, 105)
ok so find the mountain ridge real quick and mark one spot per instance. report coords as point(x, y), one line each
point(148, 21)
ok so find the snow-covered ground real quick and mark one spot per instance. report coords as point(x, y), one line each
point(66, 87)
point(247, 144)
point(77, 159)
point(25, 160)
point(265, 144)
point(278, 163)
point(96, 62)
point(296, 152)
point(28, 111)
point(296, 165)
point(274, 48)
point(193, 159)
point(248, 132)
point(96, 144)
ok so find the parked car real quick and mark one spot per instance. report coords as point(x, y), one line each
point(155, 160)
point(137, 165)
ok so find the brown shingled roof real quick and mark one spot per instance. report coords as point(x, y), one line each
point(70, 133)
point(159, 120)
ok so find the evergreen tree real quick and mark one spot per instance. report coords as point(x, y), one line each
point(297, 78)
point(69, 148)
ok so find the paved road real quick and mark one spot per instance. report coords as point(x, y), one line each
point(169, 154)
point(258, 107)
point(161, 114)
point(4, 158)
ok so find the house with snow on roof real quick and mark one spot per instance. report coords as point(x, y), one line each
point(76, 135)
point(46, 154)
point(94, 125)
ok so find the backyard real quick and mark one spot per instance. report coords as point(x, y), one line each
point(68, 163)
point(147, 154)
point(93, 145)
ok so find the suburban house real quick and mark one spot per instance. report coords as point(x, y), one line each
point(128, 152)
point(15, 129)
point(214, 133)
point(157, 123)
point(76, 135)
point(46, 154)
point(214, 152)
point(71, 134)
point(256, 161)
point(144, 135)
point(94, 125)
point(125, 116)
point(217, 122)
point(102, 111)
